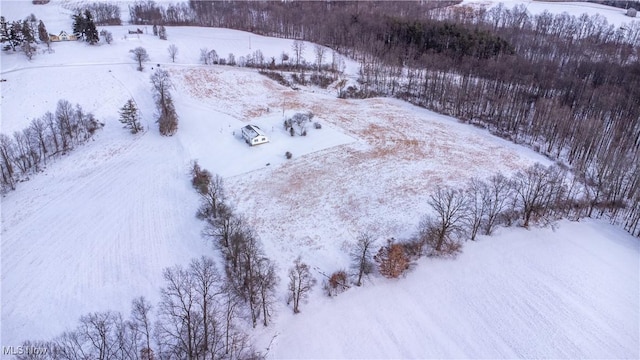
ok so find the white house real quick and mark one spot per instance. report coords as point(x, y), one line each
point(62, 37)
point(253, 135)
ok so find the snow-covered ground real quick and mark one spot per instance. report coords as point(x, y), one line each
point(614, 15)
point(96, 228)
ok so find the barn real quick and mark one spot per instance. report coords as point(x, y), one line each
point(253, 135)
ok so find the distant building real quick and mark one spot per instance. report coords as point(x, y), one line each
point(62, 37)
point(631, 12)
point(253, 135)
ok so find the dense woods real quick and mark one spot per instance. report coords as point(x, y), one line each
point(566, 86)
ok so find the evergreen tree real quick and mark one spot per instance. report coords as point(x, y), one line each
point(15, 35)
point(43, 34)
point(4, 32)
point(155, 30)
point(130, 116)
point(90, 31)
point(79, 25)
point(28, 35)
point(162, 32)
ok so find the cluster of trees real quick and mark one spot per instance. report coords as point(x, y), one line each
point(46, 137)
point(298, 123)
point(197, 317)
point(84, 27)
point(564, 85)
point(160, 31)
point(167, 116)
point(539, 194)
point(23, 35)
point(453, 40)
point(103, 13)
point(249, 273)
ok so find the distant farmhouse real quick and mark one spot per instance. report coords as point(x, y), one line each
point(253, 135)
point(62, 37)
point(632, 12)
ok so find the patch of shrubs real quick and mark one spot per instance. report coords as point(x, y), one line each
point(276, 77)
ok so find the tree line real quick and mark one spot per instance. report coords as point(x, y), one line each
point(197, 317)
point(564, 85)
point(535, 195)
point(46, 137)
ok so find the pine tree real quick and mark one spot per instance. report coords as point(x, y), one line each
point(162, 32)
point(90, 31)
point(130, 116)
point(79, 25)
point(43, 34)
point(15, 35)
point(28, 35)
point(4, 32)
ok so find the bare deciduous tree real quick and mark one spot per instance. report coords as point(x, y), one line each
point(362, 256)
point(497, 198)
point(298, 47)
point(173, 52)
point(167, 117)
point(300, 283)
point(320, 53)
point(141, 325)
point(441, 232)
point(140, 55)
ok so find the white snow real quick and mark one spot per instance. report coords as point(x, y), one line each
point(96, 228)
point(613, 15)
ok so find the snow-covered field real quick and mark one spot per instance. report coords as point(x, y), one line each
point(96, 228)
point(613, 15)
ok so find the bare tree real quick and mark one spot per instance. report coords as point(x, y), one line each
point(173, 52)
point(266, 280)
point(206, 281)
point(450, 210)
point(300, 283)
point(298, 50)
point(320, 53)
point(141, 324)
point(177, 313)
point(362, 256)
point(537, 188)
point(97, 329)
point(140, 55)
point(167, 117)
point(476, 192)
point(497, 198)
point(212, 198)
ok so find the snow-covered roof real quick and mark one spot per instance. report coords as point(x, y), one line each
point(253, 131)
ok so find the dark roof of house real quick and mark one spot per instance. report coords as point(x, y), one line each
point(254, 131)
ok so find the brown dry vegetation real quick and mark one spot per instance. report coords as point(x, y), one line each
point(381, 181)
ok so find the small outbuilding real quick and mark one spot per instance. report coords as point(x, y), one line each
point(253, 135)
point(631, 12)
